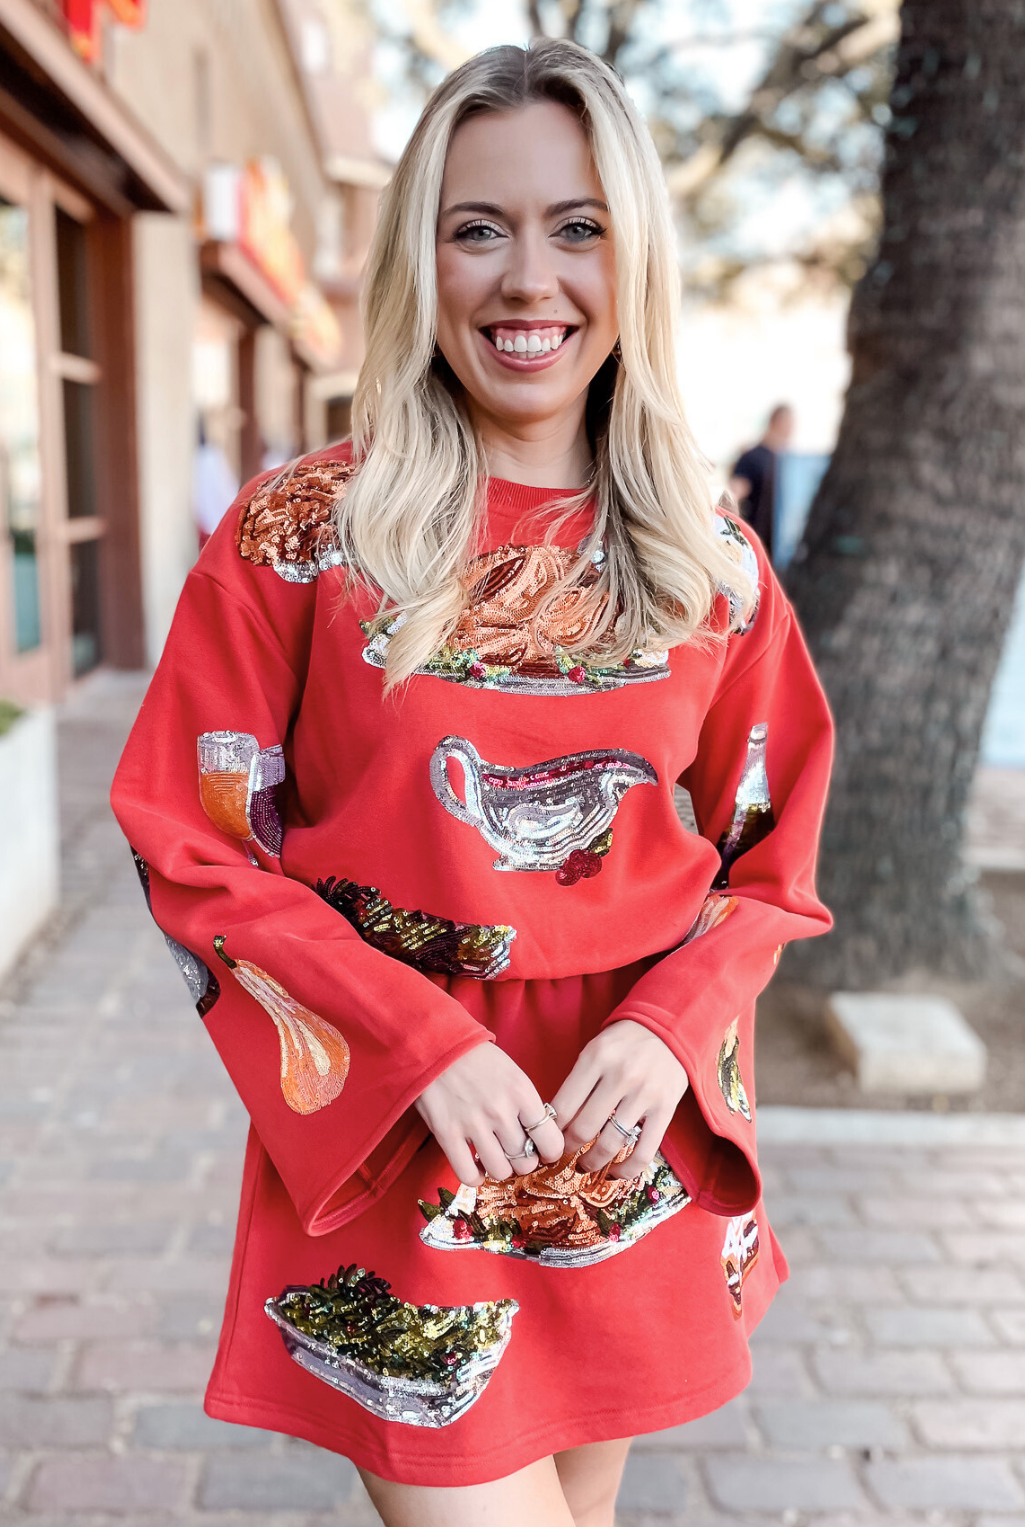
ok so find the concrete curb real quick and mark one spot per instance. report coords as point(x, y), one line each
point(864, 1126)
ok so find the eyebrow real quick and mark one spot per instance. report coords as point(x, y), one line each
point(492, 209)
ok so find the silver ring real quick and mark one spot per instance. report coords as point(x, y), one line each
point(634, 1133)
point(549, 1113)
point(529, 1150)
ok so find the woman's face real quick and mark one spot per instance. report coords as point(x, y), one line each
point(526, 271)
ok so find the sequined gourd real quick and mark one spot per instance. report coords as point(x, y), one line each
point(314, 1056)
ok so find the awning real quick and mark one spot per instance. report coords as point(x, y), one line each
point(62, 110)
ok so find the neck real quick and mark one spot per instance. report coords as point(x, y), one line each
point(550, 453)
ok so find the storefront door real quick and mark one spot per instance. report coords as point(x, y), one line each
point(52, 520)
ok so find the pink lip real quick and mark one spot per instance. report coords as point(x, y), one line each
point(522, 362)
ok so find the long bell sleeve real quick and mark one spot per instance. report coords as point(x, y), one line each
point(327, 1039)
point(758, 786)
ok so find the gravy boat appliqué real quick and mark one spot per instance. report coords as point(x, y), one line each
point(537, 817)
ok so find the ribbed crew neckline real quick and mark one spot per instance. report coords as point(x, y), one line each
point(512, 506)
point(517, 496)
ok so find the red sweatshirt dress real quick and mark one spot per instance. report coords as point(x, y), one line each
point(360, 888)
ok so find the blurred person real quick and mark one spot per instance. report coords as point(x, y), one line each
point(489, 1005)
point(214, 485)
point(753, 480)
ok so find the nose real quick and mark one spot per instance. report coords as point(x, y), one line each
point(530, 272)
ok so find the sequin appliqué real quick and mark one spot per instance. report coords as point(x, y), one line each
point(514, 635)
point(753, 817)
point(555, 1216)
point(713, 911)
point(314, 1056)
point(420, 1364)
point(199, 978)
point(739, 1255)
point(238, 786)
point(555, 815)
point(287, 524)
point(738, 547)
point(727, 1070)
point(480, 950)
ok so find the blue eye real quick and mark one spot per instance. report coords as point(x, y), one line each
point(478, 233)
point(580, 230)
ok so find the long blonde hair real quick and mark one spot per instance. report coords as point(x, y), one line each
point(409, 516)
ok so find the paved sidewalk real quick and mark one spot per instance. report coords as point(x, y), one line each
point(889, 1376)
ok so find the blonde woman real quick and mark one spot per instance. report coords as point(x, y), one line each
point(402, 797)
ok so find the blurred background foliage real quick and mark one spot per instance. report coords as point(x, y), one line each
point(768, 116)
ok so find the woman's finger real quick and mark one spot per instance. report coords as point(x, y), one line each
point(524, 1160)
point(547, 1136)
point(590, 1120)
point(611, 1141)
point(493, 1156)
point(460, 1159)
point(575, 1090)
point(653, 1130)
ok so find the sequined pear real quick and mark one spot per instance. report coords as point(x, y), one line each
point(314, 1056)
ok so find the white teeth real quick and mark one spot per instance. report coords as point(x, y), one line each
point(533, 345)
point(557, 341)
point(520, 344)
point(546, 345)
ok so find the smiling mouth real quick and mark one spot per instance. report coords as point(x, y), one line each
point(528, 344)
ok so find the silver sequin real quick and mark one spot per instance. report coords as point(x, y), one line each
point(439, 1231)
point(416, 1402)
point(536, 816)
point(752, 809)
point(743, 553)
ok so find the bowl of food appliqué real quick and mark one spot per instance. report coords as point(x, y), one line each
point(423, 1364)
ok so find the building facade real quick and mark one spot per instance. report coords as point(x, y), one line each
point(187, 191)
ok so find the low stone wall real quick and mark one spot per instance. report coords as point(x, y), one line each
point(29, 831)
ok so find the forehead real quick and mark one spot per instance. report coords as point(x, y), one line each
point(536, 154)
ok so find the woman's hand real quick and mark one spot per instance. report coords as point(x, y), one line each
point(628, 1069)
point(481, 1104)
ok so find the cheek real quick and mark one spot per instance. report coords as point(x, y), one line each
point(456, 290)
point(597, 296)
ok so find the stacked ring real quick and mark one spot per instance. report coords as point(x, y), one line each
point(528, 1150)
point(549, 1113)
point(633, 1133)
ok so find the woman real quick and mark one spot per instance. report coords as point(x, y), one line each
point(488, 1003)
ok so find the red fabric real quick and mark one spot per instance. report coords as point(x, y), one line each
point(252, 652)
point(644, 1341)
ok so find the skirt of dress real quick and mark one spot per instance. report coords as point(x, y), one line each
point(521, 1320)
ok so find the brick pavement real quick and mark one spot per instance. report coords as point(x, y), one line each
point(889, 1375)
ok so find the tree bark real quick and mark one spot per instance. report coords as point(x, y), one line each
point(916, 539)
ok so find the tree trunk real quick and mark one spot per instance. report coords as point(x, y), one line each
point(916, 539)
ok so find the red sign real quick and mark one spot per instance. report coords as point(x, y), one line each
point(83, 21)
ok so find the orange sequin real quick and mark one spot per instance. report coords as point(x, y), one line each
point(511, 617)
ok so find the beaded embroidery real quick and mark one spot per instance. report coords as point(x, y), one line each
point(421, 1364)
point(238, 786)
point(713, 911)
point(555, 1215)
point(753, 817)
point(555, 815)
point(742, 552)
point(727, 1070)
point(739, 1255)
point(515, 636)
point(417, 938)
point(314, 1056)
point(287, 524)
point(200, 980)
